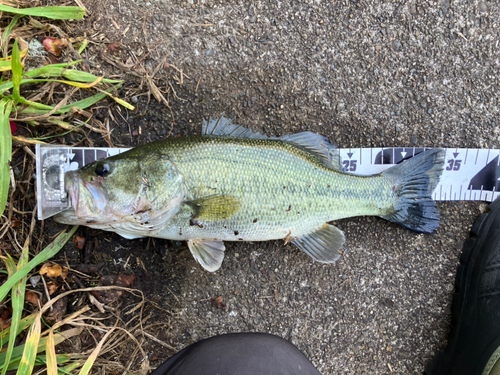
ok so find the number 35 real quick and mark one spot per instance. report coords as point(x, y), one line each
point(453, 165)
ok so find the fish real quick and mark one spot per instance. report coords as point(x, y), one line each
point(234, 184)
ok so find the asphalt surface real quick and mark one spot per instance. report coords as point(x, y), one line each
point(361, 73)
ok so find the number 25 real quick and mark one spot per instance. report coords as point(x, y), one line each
point(349, 165)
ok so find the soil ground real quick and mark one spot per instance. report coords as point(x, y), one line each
point(363, 74)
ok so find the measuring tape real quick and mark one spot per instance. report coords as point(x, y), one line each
point(469, 174)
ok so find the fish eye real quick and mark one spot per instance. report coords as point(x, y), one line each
point(102, 169)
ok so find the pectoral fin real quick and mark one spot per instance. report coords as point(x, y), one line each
point(322, 244)
point(215, 207)
point(208, 253)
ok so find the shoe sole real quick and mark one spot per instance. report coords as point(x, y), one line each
point(441, 362)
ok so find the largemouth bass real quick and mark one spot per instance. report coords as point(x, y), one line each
point(235, 184)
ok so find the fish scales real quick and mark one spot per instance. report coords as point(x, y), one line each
point(234, 184)
point(281, 187)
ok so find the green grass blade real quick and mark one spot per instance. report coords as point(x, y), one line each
point(9, 28)
point(54, 12)
point(82, 104)
point(58, 70)
point(35, 104)
point(17, 296)
point(18, 351)
point(40, 361)
point(5, 151)
point(48, 74)
point(83, 46)
point(51, 70)
point(30, 348)
point(44, 255)
point(16, 314)
point(51, 354)
point(5, 65)
point(95, 353)
point(17, 72)
point(78, 75)
point(68, 369)
point(23, 324)
point(48, 71)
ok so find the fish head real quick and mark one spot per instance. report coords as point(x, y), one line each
point(123, 188)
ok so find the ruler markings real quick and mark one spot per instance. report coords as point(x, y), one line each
point(453, 185)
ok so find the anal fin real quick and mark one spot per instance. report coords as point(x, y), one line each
point(209, 254)
point(322, 244)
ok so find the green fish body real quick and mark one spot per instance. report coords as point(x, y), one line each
point(233, 184)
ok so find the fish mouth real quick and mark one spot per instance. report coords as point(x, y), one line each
point(71, 186)
point(87, 198)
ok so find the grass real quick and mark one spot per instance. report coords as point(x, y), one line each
point(24, 356)
point(40, 340)
point(13, 102)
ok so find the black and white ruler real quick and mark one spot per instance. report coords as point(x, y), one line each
point(469, 173)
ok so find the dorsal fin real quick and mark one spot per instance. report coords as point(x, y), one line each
point(314, 143)
point(224, 126)
point(318, 145)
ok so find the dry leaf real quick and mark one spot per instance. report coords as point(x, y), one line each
point(79, 241)
point(218, 303)
point(32, 298)
point(52, 287)
point(64, 273)
point(126, 280)
point(114, 48)
point(14, 222)
point(5, 320)
point(55, 45)
point(54, 60)
point(51, 271)
point(90, 268)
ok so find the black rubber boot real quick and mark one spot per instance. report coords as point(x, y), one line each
point(475, 331)
point(239, 354)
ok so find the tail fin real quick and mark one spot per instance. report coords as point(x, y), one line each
point(414, 180)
